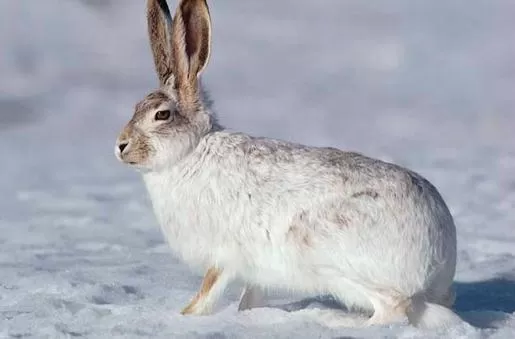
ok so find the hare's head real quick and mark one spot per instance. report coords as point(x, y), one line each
point(169, 122)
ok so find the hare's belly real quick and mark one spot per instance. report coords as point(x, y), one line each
point(277, 268)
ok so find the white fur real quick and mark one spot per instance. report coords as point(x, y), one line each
point(315, 220)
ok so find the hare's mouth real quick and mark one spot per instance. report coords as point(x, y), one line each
point(133, 164)
point(130, 162)
point(138, 166)
point(123, 159)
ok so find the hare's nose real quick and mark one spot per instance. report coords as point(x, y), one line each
point(122, 146)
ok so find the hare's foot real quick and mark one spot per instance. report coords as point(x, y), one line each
point(251, 297)
point(213, 285)
point(387, 310)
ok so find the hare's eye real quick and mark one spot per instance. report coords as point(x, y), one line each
point(163, 115)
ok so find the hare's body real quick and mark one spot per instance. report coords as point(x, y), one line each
point(276, 214)
point(315, 220)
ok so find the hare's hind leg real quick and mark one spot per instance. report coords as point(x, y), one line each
point(214, 283)
point(446, 298)
point(375, 307)
point(388, 308)
point(449, 298)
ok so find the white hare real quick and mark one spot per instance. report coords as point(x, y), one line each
point(280, 215)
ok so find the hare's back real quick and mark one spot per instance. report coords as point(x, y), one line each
point(314, 166)
point(297, 172)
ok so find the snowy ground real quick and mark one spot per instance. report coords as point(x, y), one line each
point(427, 84)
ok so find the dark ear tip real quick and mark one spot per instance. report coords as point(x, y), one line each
point(164, 7)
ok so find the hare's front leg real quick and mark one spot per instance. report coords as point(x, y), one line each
point(251, 297)
point(214, 283)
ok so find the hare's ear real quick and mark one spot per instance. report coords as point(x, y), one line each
point(159, 21)
point(190, 46)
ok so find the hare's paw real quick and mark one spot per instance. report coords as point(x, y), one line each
point(214, 283)
point(197, 306)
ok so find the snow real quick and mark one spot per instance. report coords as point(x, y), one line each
point(428, 85)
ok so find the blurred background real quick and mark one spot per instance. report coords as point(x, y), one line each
point(427, 84)
point(328, 72)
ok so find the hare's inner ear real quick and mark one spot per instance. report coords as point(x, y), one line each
point(191, 40)
point(198, 34)
point(159, 23)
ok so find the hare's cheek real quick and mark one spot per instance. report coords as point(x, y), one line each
point(140, 151)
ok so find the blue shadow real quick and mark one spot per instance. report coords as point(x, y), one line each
point(490, 295)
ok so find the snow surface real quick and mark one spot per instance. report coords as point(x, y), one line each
point(427, 84)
